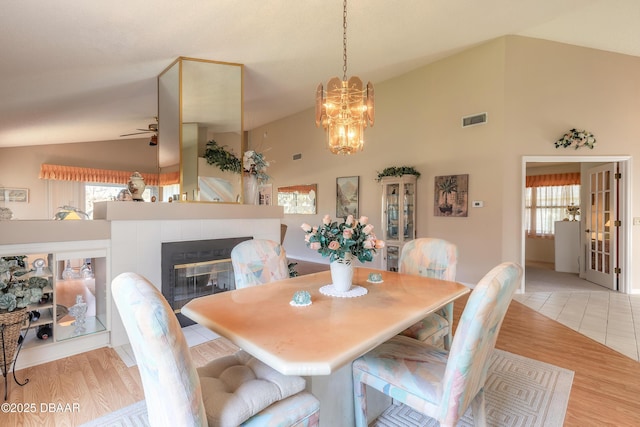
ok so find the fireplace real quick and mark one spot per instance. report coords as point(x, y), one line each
point(192, 269)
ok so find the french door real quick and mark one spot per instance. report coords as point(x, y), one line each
point(601, 226)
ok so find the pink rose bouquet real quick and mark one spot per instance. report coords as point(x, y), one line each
point(335, 240)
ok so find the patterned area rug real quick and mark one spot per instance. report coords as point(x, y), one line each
point(519, 392)
point(130, 416)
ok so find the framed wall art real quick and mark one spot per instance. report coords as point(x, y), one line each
point(16, 195)
point(347, 189)
point(451, 195)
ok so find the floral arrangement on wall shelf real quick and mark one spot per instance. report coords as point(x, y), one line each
point(576, 138)
point(252, 163)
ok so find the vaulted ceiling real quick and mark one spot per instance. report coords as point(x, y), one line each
point(78, 71)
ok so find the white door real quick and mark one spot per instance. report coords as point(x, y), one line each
point(601, 229)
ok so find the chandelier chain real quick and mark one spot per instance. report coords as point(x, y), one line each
point(344, 40)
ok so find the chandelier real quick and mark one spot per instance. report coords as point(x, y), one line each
point(345, 108)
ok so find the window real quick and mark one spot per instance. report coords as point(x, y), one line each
point(546, 201)
point(96, 192)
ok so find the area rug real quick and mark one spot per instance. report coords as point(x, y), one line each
point(519, 392)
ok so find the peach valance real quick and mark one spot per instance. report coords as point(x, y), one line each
point(556, 179)
point(108, 176)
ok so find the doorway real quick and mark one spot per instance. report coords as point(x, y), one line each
point(624, 215)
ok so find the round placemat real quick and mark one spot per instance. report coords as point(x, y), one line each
point(355, 291)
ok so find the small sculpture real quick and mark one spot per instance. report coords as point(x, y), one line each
point(301, 298)
point(79, 311)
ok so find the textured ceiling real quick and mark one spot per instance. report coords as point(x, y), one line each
point(76, 71)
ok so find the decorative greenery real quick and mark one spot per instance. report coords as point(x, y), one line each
point(17, 290)
point(576, 138)
point(218, 156)
point(335, 239)
point(398, 171)
point(252, 162)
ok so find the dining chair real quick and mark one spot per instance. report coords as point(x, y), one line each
point(439, 383)
point(258, 261)
point(231, 390)
point(436, 258)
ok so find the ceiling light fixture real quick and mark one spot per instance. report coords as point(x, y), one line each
point(346, 108)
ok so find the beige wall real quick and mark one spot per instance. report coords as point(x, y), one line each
point(533, 91)
point(20, 166)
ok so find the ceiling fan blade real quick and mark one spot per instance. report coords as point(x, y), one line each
point(137, 133)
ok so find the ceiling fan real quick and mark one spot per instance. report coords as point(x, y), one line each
point(151, 128)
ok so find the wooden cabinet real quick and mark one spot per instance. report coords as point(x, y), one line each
point(398, 216)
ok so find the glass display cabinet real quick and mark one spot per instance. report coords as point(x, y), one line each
point(398, 216)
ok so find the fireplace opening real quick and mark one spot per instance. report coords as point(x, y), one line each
point(192, 269)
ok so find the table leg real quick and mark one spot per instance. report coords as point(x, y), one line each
point(335, 393)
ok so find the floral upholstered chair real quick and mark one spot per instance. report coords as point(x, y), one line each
point(433, 381)
point(229, 391)
point(258, 261)
point(431, 258)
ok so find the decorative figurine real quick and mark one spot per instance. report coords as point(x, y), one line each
point(79, 311)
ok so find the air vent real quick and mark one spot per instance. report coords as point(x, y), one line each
point(476, 119)
point(297, 156)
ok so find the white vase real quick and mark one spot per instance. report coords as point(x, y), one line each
point(250, 189)
point(136, 186)
point(342, 273)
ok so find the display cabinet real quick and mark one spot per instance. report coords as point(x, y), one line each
point(398, 216)
point(72, 314)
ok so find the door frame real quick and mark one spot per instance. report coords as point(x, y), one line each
point(624, 211)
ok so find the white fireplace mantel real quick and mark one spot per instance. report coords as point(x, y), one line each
point(134, 211)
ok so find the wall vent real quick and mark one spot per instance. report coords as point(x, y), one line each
point(476, 119)
point(297, 156)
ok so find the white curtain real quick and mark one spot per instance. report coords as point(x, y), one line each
point(64, 193)
point(544, 205)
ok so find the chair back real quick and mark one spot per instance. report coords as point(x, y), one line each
point(258, 261)
point(475, 339)
point(429, 257)
point(171, 385)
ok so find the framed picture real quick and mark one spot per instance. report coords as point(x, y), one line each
point(451, 195)
point(347, 188)
point(265, 193)
point(16, 195)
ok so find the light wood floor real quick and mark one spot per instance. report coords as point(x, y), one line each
point(605, 391)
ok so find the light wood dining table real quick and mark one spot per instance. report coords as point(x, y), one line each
point(321, 340)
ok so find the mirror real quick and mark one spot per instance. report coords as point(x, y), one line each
point(298, 199)
point(200, 101)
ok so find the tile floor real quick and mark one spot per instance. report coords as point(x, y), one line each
point(610, 318)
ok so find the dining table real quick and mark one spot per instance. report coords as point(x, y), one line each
point(320, 340)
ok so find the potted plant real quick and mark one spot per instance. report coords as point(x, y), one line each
point(17, 291)
point(398, 171)
point(341, 242)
